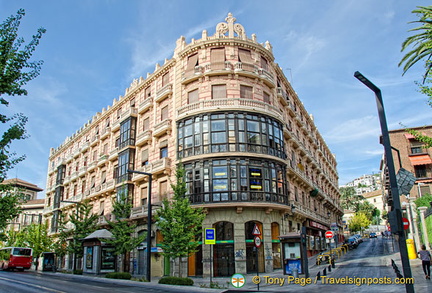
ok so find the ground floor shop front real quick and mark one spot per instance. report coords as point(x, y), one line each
point(234, 250)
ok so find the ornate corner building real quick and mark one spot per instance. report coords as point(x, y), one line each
point(253, 155)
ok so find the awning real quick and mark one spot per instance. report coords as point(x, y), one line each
point(409, 136)
point(420, 160)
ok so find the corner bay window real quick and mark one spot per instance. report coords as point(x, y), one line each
point(230, 132)
point(236, 180)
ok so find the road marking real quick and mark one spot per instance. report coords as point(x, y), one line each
point(32, 285)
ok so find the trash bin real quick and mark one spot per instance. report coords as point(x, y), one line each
point(411, 249)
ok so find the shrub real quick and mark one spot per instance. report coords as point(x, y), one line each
point(119, 275)
point(176, 281)
point(77, 272)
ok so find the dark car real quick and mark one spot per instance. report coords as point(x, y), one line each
point(373, 235)
point(352, 243)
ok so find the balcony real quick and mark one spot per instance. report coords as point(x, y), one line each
point(116, 125)
point(192, 75)
point(113, 155)
point(283, 96)
point(85, 147)
point(161, 166)
point(94, 140)
point(102, 160)
point(157, 167)
point(91, 166)
point(163, 93)
point(146, 105)
point(144, 137)
point(267, 77)
point(139, 212)
point(130, 112)
point(162, 128)
point(226, 104)
point(105, 132)
point(239, 197)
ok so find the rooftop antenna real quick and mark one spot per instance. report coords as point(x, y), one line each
point(291, 81)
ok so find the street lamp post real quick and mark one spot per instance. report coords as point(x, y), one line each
point(392, 176)
point(149, 221)
point(77, 214)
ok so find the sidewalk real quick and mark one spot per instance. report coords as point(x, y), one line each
point(224, 283)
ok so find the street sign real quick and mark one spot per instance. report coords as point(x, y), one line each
point(257, 241)
point(329, 234)
point(405, 223)
point(210, 237)
point(256, 231)
point(405, 181)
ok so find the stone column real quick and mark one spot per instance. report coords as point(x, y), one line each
point(423, 223)
point(412, 208)
point(239, 248)
point(268, 255)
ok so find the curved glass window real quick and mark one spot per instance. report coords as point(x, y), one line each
point(230, 132)
point(235, 179)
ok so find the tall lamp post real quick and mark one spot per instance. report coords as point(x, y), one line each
point(77, 213)
point(149, 221)
point(392, 176)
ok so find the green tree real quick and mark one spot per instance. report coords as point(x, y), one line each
point(424, 201)
point(178, 222)
point(123, 229)
point(349, 199)
point(367, 208)
point(420, 43)
point(358, 222)
point(84, 223)
point(421, 50)
point(15, 71)
point(36, 237)
point(10, 206)
point(15, 238)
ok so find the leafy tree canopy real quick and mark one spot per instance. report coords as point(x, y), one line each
point(358, 222)
point(16, 70)
point(179, 223)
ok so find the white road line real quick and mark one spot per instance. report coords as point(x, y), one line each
point(32, 285)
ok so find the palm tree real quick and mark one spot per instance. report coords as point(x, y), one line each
point(421, 43)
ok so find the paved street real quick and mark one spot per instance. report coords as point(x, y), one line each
point(372, 259)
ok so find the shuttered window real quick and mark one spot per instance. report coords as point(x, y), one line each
point(219, 91)
point(264, 64)
point(245, 56)
point(193, 96)
point(165, 79)
point(217, 59)
point(246, 92)
point(144, 157)
point(192, 62)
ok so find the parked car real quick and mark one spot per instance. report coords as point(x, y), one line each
point(373, 235)
point(352, 242)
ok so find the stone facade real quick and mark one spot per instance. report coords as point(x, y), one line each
point(252, 154)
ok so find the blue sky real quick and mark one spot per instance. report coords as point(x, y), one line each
point(93, 49)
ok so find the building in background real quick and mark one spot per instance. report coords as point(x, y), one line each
point(365, 183)
point(413, 156)
point(32, 208)
point(253, 156)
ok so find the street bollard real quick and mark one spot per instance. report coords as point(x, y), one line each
point(325, 272)
point(295, 272)
point(329, 267)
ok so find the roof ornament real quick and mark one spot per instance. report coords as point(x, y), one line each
point(229, 27)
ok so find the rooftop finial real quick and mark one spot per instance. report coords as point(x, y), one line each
point(229, 27)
